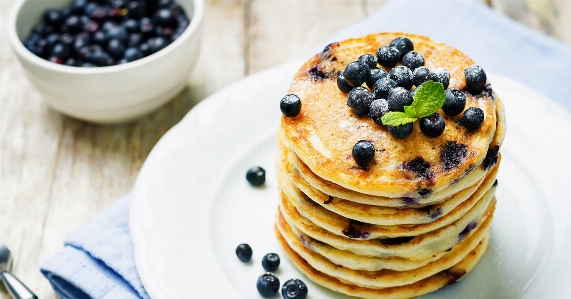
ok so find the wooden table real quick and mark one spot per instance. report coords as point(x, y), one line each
point(57, 172)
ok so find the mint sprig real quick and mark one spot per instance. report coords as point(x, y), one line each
point(429, 97)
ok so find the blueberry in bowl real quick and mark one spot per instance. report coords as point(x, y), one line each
point(88, 62)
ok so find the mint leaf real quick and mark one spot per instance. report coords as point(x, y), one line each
point(410, 111)
point(429, 97)
point(396, 119)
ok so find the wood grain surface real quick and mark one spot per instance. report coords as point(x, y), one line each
point(56, 172)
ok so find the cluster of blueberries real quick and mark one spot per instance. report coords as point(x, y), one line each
point(268, 284)
point(93, 33)
point(391, 91)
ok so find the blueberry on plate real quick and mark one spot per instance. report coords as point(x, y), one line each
point(363, 153)
point(360, 100)
point(244, 252)
point(440, 75)
point(473, 118)
point(455, 102)
point(388, 56)
point(403, 45)
point(368, 59)
point(356, 73)
point(398, 98)
point(383, 86)
point(268, 285)
point(294, 289)
point(413, 60)
point(379, 107)
point(401, 132)
point(475, 79)
point(375, 75)
point(271, 262)
point(256, 176)
point(420, 75)
point(342, 84)
point(402, 75)
point(290, 105)
point(432, 125)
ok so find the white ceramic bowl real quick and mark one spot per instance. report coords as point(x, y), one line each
point(110, 94)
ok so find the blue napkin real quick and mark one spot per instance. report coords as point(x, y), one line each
point(97, 261)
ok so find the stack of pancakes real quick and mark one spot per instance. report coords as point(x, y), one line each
point(418, 218)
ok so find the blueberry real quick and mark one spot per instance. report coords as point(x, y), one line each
point(420, 75)
point(383, 86)
point(342, 84)
point(268, 285)
point(244, 252)
point(156, 44)
point(379, 107)
point(72, 62)
point(388, 56)
point(146, 27)
point(83, 53)
point(39, 29)
point(98, 14)
point(122, 61)
point(294, 289)
point(99, 58)
point(131, 26)
point(66, 39)
point(290, 105)
point(368, 59)
point(134, 40)
point(475, 79)
point(52, 39)
point(89, 8)
point(145, 49)
point(164, 32)
point(415, 90)
point(432, 125)
point(473, 118)
point(256, 176)
point(137, 9)
point(118, 4)
point(99, 38)
point(117, 32)
point(402, 76)
point(403, 45)
point(442, 76)
point(78, 7)
point(356, 73)
point(73, 24)
point(455, 102)
point(115, 48)
point(91, 27)
point(165, 17)
point(52, 17)
point(413, 60)
point(60, 50)
point(87, 64)
point(360, 100)
point(55, 59)
point(401, 132)
point(398, 98)
point(271, 262)
point(374, 76)
point(363, 153)
point(132, 54)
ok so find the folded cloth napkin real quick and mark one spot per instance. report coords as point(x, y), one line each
point(97, 260)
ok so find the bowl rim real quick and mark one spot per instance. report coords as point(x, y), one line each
point(18, 46)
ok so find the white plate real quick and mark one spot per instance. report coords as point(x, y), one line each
point(193, 205)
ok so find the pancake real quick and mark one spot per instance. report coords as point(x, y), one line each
point(415, 248)
point(324, 132)
point(410, 200)
point(424, 286)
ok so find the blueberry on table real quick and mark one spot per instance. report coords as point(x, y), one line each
point(294, 289)
point(455, 102)
point(360, 100)
point(473, 118)
point(368, 59)
point(383, 86)
point(402, 75)
point(442, 76)
point(475, 79)
point(342, 84)
point(379, 107)
point(356, 73)
point(256, 176)
point(271, 262)
point(290, 105)
point(244, 252)
point(115, 48)
point(268, 285)
point(420, 75)
point(374, 76)
point(363, 153)
point(432, 125)
point(401, 132)
point(413, 60)
point(398, 98)
point(403, 45)
point(388, 56)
